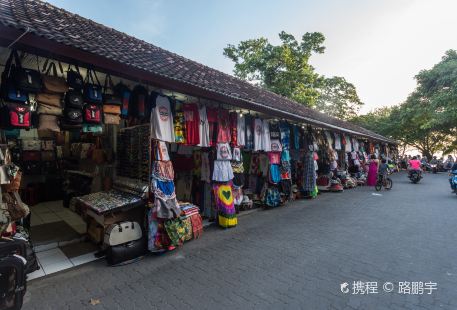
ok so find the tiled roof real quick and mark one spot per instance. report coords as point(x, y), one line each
point(52, 23)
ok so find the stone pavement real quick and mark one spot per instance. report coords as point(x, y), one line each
point(293, 257)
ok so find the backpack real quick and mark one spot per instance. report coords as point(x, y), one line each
point(16, 115)
point(72, 116)
point(8, 89)
point(138, 102)
point(74, 99)
point(92, 88)
point(74, 78)
point(123, 92)
point(92, 113)
point(27, 80)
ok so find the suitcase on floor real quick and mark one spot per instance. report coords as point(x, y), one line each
point(124, 252)
point(20, 247)
point(123, 232)
point(12, 282)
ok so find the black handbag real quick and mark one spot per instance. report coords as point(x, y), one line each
point(74, 78)
point(27, 80)
point(124, 252)
point(8, 89)
point(92, 89)
point(22, 248)
point(109, 98)
point(72, 116)
point(74, 99)
point(13, 283)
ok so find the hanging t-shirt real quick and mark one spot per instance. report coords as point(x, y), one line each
point(274, 157)
point(285, 134)
point(266, 141)
point(180, 127)
point(329, 138)
point(337, 141)
point(297, 139)
point(224, 152)
point(241, 130)
point(237, 154)
point(192, 117)
point(274, 131)
point(233, 128)
point(203, 128)
point(249, 125)
point(275, 145)
point(348, 146)
point(224, 126)
point(162, 120)
point(258, 134)
point(211, 114)
point(161, 151)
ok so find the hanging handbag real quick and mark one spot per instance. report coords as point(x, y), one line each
point(123, 92)
point(31, 145)
point(52, 83)
point(48, 156)
point(54, 100)
point(49, 109)
point(31, 156)
point(27, 80)
point(48, 122)
point(92, 88)
point(47, 145)
point(92, 113)
point(74, 78)
point(16, 115)
point(109, 98)
point(15, 182)
point(16, 207)
point(138, 102)
point(74, 99)
point(73, 116)
point(111, 119)
point(112, 109)
point(8, 89)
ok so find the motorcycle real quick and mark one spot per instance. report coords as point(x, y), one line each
point(434, 168)
point(415, 176)
point(453, 181)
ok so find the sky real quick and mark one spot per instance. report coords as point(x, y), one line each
point(378, 45)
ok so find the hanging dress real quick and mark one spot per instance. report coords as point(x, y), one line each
point(225, 205)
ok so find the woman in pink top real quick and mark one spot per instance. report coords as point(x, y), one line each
point(414, 164)
point(372, 171)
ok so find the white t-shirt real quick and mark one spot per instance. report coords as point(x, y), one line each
point(203, 128)
point(224, 152)
point(348, 146)
point(162, 127)
point(266, 142)
point(241, 130)
point(258, 134)
point(337, 142)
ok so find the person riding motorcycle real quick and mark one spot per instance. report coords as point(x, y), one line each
point(414, 165)
point(449, 162)
point(453, 171)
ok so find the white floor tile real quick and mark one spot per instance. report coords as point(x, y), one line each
point(53, 261)
point(36, 274)
point(79, 260)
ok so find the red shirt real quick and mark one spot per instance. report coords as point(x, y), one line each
point(192, 118)
point(223, 135)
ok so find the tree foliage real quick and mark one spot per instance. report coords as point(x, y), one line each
point(283, 69)
point(338, 98)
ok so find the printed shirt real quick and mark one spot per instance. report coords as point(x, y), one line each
point(162, 121)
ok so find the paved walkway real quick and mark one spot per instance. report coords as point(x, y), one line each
point(294, 257)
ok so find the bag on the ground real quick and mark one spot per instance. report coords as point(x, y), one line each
point(124, 252)
point(12, 282)
point(122, 232)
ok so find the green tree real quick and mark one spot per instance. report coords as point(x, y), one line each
point(338, 98)
point(283, 69)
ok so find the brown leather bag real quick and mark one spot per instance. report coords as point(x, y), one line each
point(15, 183)
point(48, 122)
point(51, 81)
point(48, 109)
point(54, 100)
point(112, 109)
point(111, 119)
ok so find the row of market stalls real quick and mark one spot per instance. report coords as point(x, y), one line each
point(115, 134)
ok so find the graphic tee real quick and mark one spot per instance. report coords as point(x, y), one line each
point(224, 152)
point(258, 134)
point(203, 128)
point(266, 142)
point(241, 130)
point(192, 117)
point(162, 121)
